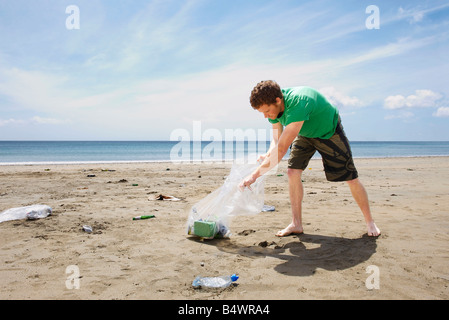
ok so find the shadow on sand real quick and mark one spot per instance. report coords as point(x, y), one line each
point(303, 257)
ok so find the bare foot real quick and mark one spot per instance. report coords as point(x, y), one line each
point(373, 230)
point(291, 229)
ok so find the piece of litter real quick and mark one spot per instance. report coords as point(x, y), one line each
point(87, 229)
point(39, 214)
point(163, 197)
point(444, 277)
point(214, 282)
point(144, 217)
point(266, 208)
point(32, 212)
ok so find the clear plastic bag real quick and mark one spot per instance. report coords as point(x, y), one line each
point(211, 216)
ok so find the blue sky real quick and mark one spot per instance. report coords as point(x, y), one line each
point(138, 70)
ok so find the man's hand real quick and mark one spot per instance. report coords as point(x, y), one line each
point(275, 154)
point(247, 182)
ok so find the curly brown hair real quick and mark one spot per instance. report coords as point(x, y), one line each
point(265, 92)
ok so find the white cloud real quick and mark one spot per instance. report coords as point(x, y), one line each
point(32, 121)
point(413, 15)
point(394, 102)
point(339, 99)
point(403, 115)
point(9, 121)
point(32, 89)
point(52, 121)
point(416, 14)
point(442, 112)
point(53, 94)
point(421, 99)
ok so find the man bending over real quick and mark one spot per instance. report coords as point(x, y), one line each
point(303, 119)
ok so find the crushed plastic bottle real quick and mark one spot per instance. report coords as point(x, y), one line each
point(87, 229)
point(267, 208)
point(214, 282)
point(223, 231)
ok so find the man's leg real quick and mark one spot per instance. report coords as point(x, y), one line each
point(296, 194)
point(361, 197)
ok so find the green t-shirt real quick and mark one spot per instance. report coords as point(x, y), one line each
point(306, 104)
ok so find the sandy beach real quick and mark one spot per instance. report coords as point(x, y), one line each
point(155, 259)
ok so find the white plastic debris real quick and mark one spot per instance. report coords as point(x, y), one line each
point(33, 212)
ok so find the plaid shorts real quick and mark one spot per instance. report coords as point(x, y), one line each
point(335, 153)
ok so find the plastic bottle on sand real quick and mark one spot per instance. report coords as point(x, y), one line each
point(214, 282)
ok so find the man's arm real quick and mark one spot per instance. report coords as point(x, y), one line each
point(277, 131)
point(276, 154)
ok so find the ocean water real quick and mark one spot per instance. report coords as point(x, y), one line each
point(47, 152)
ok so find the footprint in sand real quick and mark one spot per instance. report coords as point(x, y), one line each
point(246, 232)
point(265, 244)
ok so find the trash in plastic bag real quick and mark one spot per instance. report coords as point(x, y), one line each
point(210, 217)
point(33, 212)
